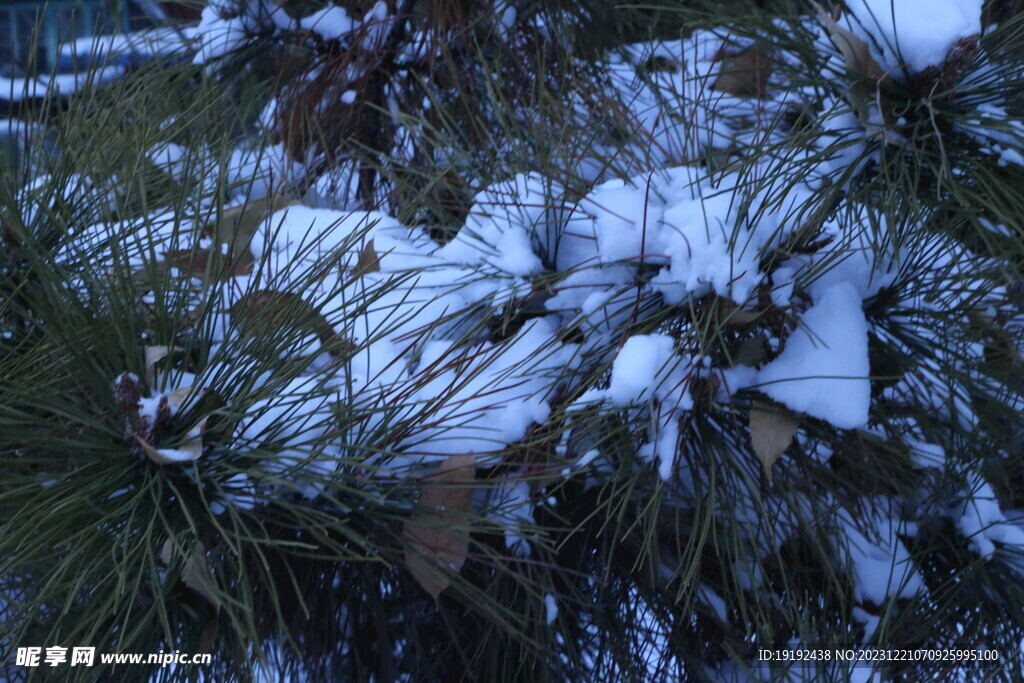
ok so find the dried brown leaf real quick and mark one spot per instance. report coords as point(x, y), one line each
point(728, 313)
point(239, 224)
point(437, 531)
point(368, 261)
point(195, 572)
point(206, 263)
point(190, 449)
point(155, 354)
point(265, 312)
point(178, 397)
point(859, 62)
point(750, 351)
point(772, 428)
point(745, 74)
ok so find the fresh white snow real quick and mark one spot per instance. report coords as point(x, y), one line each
point(823, 370)
point(914, 33)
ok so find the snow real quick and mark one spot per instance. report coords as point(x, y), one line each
point(879, 561)
point(18, 131)
point(170, 157)
point(914, 33)
point(218, 37)
point(859, 253)
point(18, 89)
point(638, 366)
point(686, 222)
point(662, 139)
point(712, 599)
point(490, 396)
point(619, 210)
point(624, 267)
point(330, 23)
point(135, 46)
point(513, 507)
point(648, 369)
point(227, 25)
point(823, 370)
point(550, 608)
point(782, 286)
point(139, 238)
point(980, 519)
point(375, 25)
point(505, 221)
point(868, 621)
point(1000, 133)
point(927, 454)
point(299, 420)
point(296, 238)
point(106, 58)
point(588, 457)
point(177, 455)
point(448, 398)
point(589, 289)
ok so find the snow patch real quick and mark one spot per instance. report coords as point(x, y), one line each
point(823, 370)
